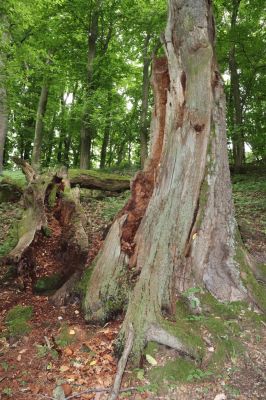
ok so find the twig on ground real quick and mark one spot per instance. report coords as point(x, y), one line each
point(122, 364)
point(92, 390)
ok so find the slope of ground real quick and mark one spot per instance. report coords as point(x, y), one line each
point(53, 346)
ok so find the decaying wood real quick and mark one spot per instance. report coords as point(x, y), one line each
point(122, 364)
point(119, 247)
point(185, 234)
point(73, 241)
point(111, 183)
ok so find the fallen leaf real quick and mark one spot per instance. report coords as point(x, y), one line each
point(67, 389)
point(64, 368)
point(151, 360)
point(93, 362)
point(68, 351)
point(220, 396)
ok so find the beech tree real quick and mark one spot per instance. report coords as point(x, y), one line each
point(178, 229)
point(3, 91)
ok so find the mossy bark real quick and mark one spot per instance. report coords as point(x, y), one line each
point(187, 234)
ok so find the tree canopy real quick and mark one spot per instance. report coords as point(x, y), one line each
point(94, 60)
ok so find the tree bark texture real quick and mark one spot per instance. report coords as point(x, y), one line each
point(178, 230)
point(38, 134)
point(238, 136)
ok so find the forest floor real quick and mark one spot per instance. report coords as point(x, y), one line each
point(43, 347)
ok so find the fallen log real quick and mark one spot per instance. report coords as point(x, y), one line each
point(87, 179)
point(111, 184)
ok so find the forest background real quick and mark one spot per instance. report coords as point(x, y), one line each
point(75, 80)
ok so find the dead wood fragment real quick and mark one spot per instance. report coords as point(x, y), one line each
point(111, 183)
point(92, 390)
point(122, 364)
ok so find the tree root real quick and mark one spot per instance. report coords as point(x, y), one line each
point(161, 336)
point(122, 364)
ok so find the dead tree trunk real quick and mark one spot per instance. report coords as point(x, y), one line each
point(51, 193)
point(178, 230)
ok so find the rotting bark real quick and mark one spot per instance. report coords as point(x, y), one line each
point(51, 195)
point(109, 287)
point(187, 236)
point(145, 103)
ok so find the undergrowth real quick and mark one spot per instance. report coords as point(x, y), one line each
point(17, 320)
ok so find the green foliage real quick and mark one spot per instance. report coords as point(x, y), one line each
point(64, 338)
point(113, 205)
point(48, 283)
point(7, 391)
point(17, 320)
point(44, 351)
point(15, 178)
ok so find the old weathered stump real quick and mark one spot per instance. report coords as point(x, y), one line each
point(178, 230)
point(50, 195)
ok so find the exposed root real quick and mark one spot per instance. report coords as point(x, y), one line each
point(122, 364)
point(161, 336)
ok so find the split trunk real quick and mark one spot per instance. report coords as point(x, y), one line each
point(178, 230)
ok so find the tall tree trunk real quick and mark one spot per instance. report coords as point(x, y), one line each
point(178, 229)
point(50, 141)
point(238, 136)
point(86, 128)
point(144, 103)
point(106, 135)
point(3, 120)
point(38, 134)
point(3, 92)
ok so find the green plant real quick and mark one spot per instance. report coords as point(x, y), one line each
point(65, 338)
point(198, 374)
point(17, 320)
point(4, 365)
point(7, 391)
point(44, 351)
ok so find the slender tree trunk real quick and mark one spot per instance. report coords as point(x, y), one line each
point(3, 92)
point(178, 229)
point(238, 136)
point(87, 129)
point(38, 135)
point(50, 141)
point(145, 103)
point(3, 121)
point(106, 136)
